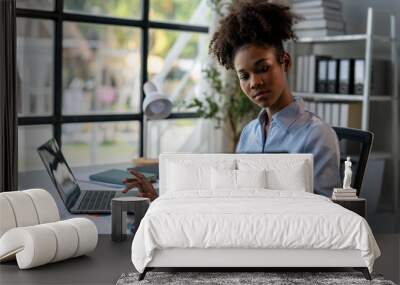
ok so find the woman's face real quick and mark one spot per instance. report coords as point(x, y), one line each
point(262, 77)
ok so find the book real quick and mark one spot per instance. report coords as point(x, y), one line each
point(345, 195)
point(319, 12)
point(319, 24)
point(299, 73)
point(318, 33)
point(312, 107)
point(335, 114)
point(359, 70)
point(334, 197)
point(344, 191)
point(350, 115)
point(311, 73)
point(355, 115)
point(327, 16)
point(320, 110)
point(331, 84)
point(328, 113)
point(333, 4)
point(345, 85)
point(306, 70)
point(344, 115)
point(322, 73)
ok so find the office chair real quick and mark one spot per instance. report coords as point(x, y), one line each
point(356, 144)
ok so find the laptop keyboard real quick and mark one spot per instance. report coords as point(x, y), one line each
point(97, 200)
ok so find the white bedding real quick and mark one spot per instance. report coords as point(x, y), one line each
point(252, 218)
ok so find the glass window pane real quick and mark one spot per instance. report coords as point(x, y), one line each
point(35, 63)
point(100, 143)
point(193, 12)
point(112, 8)
point(178, 135)
point(29, 139)
point(36, 4)
point(175, 63)
point(101, 69)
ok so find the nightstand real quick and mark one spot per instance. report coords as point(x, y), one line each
point(357, 205)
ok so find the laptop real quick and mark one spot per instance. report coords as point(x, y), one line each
point(77, 201)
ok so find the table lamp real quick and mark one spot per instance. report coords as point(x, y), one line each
point(156, 106)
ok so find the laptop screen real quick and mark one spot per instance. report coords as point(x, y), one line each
point(59, 172)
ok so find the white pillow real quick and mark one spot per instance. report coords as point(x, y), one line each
point(193, 174)
point(226, 179)
point(281, 174)
point(223, 179)
point(188, 177)
point(251, 178)
point(293, 179)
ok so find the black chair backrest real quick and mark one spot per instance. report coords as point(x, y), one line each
point(356, 144)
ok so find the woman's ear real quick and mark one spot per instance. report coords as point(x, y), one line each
point(287, 61)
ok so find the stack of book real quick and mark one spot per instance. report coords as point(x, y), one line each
point(320, 18)
point(344, 194)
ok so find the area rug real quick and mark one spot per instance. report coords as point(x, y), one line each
point(243, 278)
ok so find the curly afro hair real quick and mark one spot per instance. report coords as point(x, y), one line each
point(252, 22)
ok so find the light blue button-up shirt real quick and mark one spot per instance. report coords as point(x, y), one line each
point(296, 130)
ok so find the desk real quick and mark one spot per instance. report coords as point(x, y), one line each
point(41, 179)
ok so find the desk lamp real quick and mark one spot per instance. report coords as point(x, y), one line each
point(156, 106)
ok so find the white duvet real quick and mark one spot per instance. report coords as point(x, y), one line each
point(250, 219)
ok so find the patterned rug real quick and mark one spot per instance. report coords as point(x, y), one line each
point(243, 278)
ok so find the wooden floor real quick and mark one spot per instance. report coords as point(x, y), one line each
point(110, 260)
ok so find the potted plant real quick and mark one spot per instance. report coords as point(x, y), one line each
point(225, 103)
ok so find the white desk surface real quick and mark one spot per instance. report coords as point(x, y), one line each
point(41, 179)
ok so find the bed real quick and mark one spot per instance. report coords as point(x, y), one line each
point(246, 211)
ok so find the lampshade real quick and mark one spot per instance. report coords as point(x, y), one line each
point(156, 106)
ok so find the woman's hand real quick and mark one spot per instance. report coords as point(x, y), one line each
point(145, 187)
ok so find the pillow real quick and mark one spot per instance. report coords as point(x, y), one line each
point(237, 179)
point(251, 178)
point(193, 174)
point(188, 177)
point(281, 174)
point(294, 178)
point(223, 179)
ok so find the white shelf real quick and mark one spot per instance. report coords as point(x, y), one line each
point(341, 97)
point(330, 39)
point(342, 38)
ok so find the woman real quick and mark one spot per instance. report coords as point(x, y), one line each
point(250, 41)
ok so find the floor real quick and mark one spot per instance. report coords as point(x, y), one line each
point(110, 260)
point(102, 266)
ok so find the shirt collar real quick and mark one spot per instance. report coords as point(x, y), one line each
point(287, 116)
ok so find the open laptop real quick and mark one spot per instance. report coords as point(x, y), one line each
point(77, 201)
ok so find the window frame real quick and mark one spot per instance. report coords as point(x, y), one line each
point(58, 16)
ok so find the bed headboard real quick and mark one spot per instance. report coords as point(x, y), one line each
point(287, 164)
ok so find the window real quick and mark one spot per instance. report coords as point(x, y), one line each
point(81, 66)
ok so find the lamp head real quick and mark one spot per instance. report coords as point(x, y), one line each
point(156, 106)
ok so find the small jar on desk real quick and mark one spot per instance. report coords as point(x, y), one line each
point(357, 205)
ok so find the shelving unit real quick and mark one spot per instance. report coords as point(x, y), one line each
point(326, 97)
point(368, 39)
